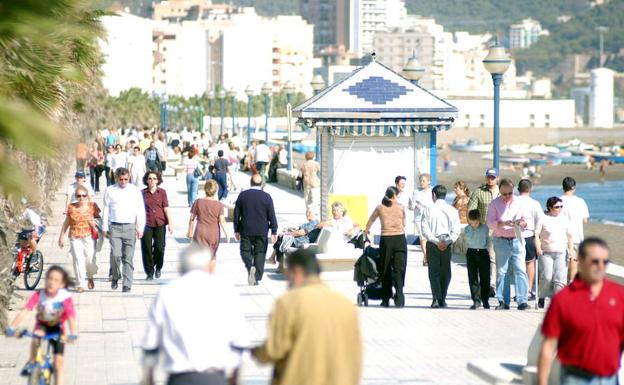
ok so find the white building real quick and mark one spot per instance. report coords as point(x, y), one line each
point(181, 59)
point(525, 34)
point(369, 17)
point(127, 53)
point(516, 113)
point(601, 98)
point(453, 62)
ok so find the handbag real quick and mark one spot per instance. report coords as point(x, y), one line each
point(197, 173)
point(94, 233)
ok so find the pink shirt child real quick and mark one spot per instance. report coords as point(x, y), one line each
point(52, 311)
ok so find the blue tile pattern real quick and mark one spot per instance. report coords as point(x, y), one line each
point(377, 90)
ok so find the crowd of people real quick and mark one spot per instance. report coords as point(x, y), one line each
point(503, 235)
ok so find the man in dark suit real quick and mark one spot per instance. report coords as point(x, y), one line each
point(254, 215)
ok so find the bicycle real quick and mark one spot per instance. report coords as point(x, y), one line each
point(43, 367)
point(27, 262)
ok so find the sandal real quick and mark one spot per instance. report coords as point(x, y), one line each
point(90, 283)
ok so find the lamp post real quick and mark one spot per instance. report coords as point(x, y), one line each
point(266, 91)
point(317, 83)
point(221, 97)
point(232, 95)
point(249, 93)
point(163, 113)
point(496, 62)
point(211, 96)
point(289, 88)
point(412, 70)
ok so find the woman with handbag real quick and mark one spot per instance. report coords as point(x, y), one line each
point(80, 221)
point(96, 165)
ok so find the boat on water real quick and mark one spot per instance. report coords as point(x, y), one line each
point(472, 145)
point(304, 146)
point(611, 158)
point(574, 159)
point(543, 150)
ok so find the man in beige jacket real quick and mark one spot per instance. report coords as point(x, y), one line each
point(314, 332)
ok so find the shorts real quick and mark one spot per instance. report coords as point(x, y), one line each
point(529, 246)
point(58, 347)
point(574, 255)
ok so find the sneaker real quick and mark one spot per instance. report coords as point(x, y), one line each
point(90, 283)
point(502, 306)
point(149, 277)
point(125, 289)
point(492, 292)
point(157, 274)
point(540, 303)
point(399, 300)
point(251, 279)
point(443, 304)
point(27, 370)
point(114, 284)
point(486, 305)
point(523, 306)
point(435, 304)
point(475, 305)
point(385, 303)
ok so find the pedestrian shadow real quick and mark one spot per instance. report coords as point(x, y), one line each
point(276, 277)
point(184, 240)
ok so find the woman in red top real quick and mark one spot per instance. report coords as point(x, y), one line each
point(80, 221)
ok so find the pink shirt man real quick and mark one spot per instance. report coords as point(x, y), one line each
point(507, 212)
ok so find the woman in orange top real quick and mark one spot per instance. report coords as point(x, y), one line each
point(80, 221)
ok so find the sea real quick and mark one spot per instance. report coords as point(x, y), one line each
point(605, 200)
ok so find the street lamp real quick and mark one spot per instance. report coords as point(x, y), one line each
point(496, 62)
point(317, 83)
point(249, 92)
point(211, 96)
point(221, 97)
point(232, 94)
point(412, 70)
point(266, 91)
point(289, 88)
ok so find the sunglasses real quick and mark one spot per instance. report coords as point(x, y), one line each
point(597, 262)
point(558, 207)
point(81, 196)
point(507, 194)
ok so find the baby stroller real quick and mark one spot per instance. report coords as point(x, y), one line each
point(367, 275)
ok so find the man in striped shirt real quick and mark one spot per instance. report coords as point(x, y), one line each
point(480, 199)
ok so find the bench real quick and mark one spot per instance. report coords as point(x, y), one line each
point(332, 253)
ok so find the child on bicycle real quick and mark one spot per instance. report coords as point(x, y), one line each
point(54, 307)
point(33, 227)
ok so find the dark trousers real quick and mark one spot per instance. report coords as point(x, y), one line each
point(110, 178)
point(478, 263)
point(196, 378)
point(393, 253)
point(253, 251)
point(153, 248)
point(439, 267)
point(221, 178)
point(95, 174)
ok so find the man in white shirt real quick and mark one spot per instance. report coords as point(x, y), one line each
point(81, 180)
point(577, 212)
point(533, 214)
point(194, 321)
point(420, 199)
point(123, 222)
point(263, 157)
point(440, 228)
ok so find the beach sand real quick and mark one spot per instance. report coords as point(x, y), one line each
point(471, 169)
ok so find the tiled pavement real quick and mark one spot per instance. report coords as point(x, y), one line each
point(414, 345)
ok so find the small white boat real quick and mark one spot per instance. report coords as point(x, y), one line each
point(520, 149)
point(543, 150)
point(471, 145)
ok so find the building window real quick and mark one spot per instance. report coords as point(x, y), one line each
point(547, 124)
point(482, 116)
point(547, 116)
point(481, 124)
point(467, 117)
point(532, 116)
point(532, 125)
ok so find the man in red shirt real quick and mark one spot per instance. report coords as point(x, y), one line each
point(585, 323)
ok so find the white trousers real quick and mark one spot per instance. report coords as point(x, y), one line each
point(83, 254)
point(312, 197)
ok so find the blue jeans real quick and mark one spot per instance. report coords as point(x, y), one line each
point(192, 184)
point(570, 379)
point(510, 252)
point(221, 178)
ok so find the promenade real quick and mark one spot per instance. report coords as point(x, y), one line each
point(413, 345)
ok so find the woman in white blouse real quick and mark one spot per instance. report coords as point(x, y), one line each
point(553, 239)
point(340, 222)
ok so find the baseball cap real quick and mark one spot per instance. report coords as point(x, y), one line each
point(491, 172)
point(80, 174)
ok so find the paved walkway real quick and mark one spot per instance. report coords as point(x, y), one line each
point(414, 345)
